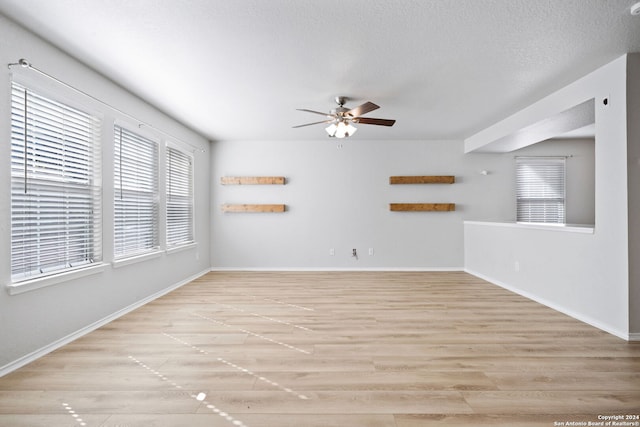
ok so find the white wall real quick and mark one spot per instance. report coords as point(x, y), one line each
point(584, 275)
point(339, 198)
point(34, 322)
point(633, 164)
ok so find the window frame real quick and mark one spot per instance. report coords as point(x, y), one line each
point(94, 186)
point(170, 245)
point(137, 253)
point(541, 189)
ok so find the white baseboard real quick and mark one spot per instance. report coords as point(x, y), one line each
point(330, 269)
point(16, 364)
point(634, 337)
point(578, 316)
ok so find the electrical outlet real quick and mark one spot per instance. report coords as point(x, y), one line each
point(516, 266)
point(332, 251)
point(370, 251)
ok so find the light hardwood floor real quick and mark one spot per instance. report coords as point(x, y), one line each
point(379, 349)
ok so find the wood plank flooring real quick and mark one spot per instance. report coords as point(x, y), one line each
point(375, 349)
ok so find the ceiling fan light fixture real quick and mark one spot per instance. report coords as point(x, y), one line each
point(341, 130)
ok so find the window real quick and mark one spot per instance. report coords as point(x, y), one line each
point(136, 194)
point(540, 189)
point(179, 198)
point(55, 186)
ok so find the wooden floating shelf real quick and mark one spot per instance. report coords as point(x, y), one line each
point(424, 179)
point(253, 208)
point(252, 180)
point(422, 207)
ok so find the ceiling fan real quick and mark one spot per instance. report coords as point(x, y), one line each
point(341, 119)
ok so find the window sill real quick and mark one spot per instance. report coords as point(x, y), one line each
point(181, 248)
point(565, 228)
point(134, 259)
point(54, 279)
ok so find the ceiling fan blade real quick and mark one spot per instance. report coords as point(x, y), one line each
point(362, 109)
point(314, 112)
point(371, 121)
point(314, 123)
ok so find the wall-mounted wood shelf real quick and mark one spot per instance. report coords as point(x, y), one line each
point(422, 207)
point(423, 179)
point(253, 208)
point(252, 180)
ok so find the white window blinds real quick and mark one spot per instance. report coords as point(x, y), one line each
point(540, 189)
point(179, 198)
point(136, 198)
point(55, 186)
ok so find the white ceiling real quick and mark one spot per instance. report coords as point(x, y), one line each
point(236, 70)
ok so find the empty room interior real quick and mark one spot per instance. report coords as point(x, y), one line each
point(320, 213)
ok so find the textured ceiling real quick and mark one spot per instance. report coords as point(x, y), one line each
point(235, 70)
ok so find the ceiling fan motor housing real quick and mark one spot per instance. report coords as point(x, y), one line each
point(341, 112)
